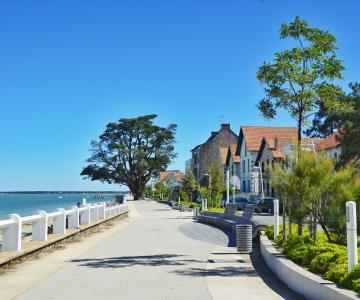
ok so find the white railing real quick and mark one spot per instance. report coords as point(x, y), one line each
point(11, 228)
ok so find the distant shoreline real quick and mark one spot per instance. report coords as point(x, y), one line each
point(64, 192)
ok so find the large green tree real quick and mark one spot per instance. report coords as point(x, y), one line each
point(131, 152)
point(350, 123)
point(324, 123)
point(300, 79)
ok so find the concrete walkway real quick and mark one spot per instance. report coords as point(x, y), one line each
point(159, 254)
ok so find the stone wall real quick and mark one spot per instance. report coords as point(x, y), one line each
point(209, 151)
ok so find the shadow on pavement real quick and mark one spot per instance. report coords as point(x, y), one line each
point(128, 261)
point(222, 271)
point(269, 278)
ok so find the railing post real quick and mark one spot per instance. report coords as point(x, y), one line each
point(74, 218)
point(351, 234)
point(40, 227)
point(101, 208)
point(59, 222)
point(11, 235)
point(276, 218)
point(85, 216)
point(93, 213)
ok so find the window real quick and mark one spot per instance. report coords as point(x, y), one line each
point(335, 155)
point(249, 187)
point(248, 165)
point(243, 166)
point(262, 167)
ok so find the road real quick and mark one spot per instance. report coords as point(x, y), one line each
point(161, 254)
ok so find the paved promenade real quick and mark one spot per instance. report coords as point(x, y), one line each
point(158, 253)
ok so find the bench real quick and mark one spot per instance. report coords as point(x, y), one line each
point(228, 220)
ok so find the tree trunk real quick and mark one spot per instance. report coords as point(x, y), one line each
point(311, 224)
point(325, 230)
point(300, 226)
point(299, 134)
point(284, 217)
point(138, 192)
point(290, 219)
point(314, 229)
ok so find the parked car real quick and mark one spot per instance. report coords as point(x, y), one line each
point(266, 205)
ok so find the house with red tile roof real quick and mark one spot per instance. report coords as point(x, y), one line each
point(331, 146)
point(171, 177)
point(251, 139)
point(276, 149)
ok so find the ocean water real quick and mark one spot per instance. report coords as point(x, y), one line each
point(29, 204)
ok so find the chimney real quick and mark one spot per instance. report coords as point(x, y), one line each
point(225, 126)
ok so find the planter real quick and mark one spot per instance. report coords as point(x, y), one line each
point(301, 281)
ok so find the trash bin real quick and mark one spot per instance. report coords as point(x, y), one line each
point(244, 238)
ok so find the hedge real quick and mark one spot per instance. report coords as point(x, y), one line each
point(320, 257)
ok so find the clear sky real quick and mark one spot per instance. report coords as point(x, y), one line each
point(67, 68)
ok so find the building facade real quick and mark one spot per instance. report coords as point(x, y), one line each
point(331, 146)
point(205, 154)
point(250, 141)
point(274, 150)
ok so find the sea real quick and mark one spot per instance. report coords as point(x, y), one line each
point(29, 204)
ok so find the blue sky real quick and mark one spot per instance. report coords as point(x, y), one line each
point(67, 68)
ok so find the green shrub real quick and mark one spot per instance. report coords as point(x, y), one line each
point(216, 209)
point(356, 285)
point(336, 272)
point(321, 263)
point(352, 279)
point(269, 232)
point(320, 247)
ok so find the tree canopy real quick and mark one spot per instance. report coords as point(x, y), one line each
point(350, 124)
point(131, 152)
point(300, 79)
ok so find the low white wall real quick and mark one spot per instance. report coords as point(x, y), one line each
point(303, 282)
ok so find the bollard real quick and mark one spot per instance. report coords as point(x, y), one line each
point(59, 222)
point(276, 218)
point(351, 235)
point(11, 236)
point(74, 218)
point(40, 227)
point(244, 238)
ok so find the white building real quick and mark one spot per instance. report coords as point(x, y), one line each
point(331, 146)
point(250, 140)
